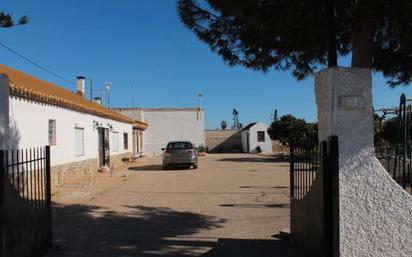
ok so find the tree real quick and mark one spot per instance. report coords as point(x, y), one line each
point(292, 131)
point(299, 34)
point(223, 124)
point(6, 20)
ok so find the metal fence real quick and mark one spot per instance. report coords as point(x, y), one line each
point(314, 198)
point(25, 222)
point(396, 156)
point(304, 165)
point(399, 167)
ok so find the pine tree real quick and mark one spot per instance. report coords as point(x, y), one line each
point(296, 34)
point(7, 21)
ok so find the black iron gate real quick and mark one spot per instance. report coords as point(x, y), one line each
point(314, 198)
point(393, 145)
point(25, 202)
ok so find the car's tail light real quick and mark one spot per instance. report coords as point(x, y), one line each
point(168, 152)
point(191, 152)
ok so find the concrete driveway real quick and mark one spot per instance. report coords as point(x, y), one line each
point(233, 205)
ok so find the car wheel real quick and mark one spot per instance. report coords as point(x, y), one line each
point(195, 166)
point(165, 167)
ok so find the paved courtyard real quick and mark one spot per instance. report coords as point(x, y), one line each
point(233, 205)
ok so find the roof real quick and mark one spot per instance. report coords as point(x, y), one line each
point(160, 109)
point(249, 126)
point(29, 87)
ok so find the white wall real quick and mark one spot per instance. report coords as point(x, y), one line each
point(169, 125)
point(4, 111)
point(244, 134)
point(266, 146)
point(29, 128)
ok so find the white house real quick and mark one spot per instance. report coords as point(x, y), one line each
point(79, 131)
point(168, 124)
point(255, 138)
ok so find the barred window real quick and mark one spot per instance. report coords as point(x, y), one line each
point(261, 136)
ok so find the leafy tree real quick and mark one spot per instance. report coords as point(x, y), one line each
point(293, 131)
point(7, 21)
point(390, 129)
point(223, 124)
point(300, 35)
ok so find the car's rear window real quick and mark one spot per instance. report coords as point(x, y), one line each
point(179, 146)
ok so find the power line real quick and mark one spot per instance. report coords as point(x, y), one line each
point(36, 64)
point(44, 68)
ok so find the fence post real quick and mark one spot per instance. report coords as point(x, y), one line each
point(48, 196)
point(292, 171)
point(2, 199)
point(333, 154)
point(326, 196)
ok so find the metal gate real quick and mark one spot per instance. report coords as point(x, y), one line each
point(314, 198)
point(25, 194)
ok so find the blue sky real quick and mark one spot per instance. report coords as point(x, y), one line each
point(142, 44)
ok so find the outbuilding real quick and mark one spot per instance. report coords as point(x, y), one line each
point(168, 124)
point(79, 131)
point(255, 138)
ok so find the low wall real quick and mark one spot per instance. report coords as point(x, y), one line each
point(59, 171)
point(307, 220)
point(223, 141)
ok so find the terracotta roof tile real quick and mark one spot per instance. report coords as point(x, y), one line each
point(27, 86)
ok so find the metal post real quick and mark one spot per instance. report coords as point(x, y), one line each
point(292, 188)
point(292, 172)
point(48, 195)
point(2, 208)
point(333, 156)
point(326, 196)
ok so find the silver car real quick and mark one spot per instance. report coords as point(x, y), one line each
point(179, 153)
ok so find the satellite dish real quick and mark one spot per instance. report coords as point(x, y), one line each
point(108, 85)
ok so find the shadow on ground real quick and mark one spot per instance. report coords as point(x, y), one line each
point(155, 167)
point(256, 159)
point(82, 230)
point(253, 205)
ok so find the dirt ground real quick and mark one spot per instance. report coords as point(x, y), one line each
point(233, 205)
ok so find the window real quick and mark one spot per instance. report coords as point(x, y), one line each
point(52, 132)
point(126, 141)
point(261, 136)
point(179, 146)
point(79, 141)
point(115, 141)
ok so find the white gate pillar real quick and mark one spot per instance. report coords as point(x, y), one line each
point(4, 111)
point(375, 213)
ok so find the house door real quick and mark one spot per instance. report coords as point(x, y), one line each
point(104, 147)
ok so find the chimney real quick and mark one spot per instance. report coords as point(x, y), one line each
point(80, 85)
point(97, 100)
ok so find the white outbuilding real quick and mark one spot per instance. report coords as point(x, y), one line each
point(36, 113)
point(168, 124)
point(255, 138)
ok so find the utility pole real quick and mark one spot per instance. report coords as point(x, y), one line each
point(200, 95)
point(133, 97)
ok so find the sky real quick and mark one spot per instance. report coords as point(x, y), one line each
point(152, 60)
